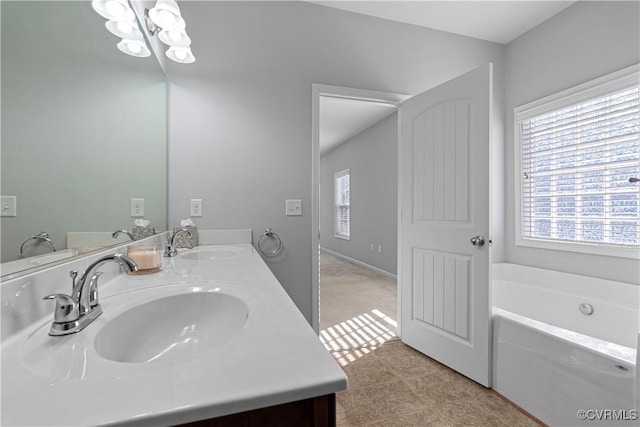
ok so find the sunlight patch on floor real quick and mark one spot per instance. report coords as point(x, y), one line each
point(351, 339)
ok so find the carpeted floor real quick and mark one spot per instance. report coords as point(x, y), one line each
point(357, 305)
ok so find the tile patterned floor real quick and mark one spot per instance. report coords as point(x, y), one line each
point(395, 386)
point(391, 384)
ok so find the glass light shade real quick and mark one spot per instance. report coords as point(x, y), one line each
point(134, 48)
point(166, 15)
point(182, 55)
point(113, 9)
point(124, 29)
point(174, 38)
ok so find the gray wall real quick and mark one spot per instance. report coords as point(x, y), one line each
point(83, 126)
point(372, 157)
point(585, 41)
point(240, 116)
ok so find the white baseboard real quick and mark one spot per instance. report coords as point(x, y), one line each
point(360, 263)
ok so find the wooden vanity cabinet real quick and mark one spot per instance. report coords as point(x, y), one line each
point(314, 412)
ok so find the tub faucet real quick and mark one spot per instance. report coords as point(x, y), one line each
point(119, 232)
point(170, 250)
point(75, 312)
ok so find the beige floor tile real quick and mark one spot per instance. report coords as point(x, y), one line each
point(374, 424)
point(407, 362)
point(422, 418)
point(505, 411)
point(369, 371)
point(445, 386)
point(468, 413)
point(394, 398)
point(353, 408)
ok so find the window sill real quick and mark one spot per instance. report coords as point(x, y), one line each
point(340, 236)
point(584, 248)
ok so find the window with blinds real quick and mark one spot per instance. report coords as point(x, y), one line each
point(579, 164)
point(342, 204)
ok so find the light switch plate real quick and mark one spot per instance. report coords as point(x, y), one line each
point(293, 207)
point(8, 205)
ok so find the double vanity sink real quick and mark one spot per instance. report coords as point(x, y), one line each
point(212, 334)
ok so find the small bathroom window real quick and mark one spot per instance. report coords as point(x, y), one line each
point(342, 217)
point(578, 168)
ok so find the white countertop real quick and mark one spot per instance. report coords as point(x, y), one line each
point(275, 358)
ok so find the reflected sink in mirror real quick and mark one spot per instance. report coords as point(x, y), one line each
point(172, 327)
point(212, 252)
point(35, 261)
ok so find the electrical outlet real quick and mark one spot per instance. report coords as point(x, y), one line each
point(137, 208)
point(372, 247)
point(8, 205)
point(379, 249)
point(196, 207)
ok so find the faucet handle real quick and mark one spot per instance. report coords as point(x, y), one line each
point(73, 274)
point(93, 289)
point(66, 308)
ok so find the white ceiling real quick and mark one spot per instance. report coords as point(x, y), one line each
point(496, 21)
point(341, 119)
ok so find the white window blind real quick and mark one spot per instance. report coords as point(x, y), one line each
point(578, 165)
point(342, 204)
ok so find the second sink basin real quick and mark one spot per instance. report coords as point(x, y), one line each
point(172, 327)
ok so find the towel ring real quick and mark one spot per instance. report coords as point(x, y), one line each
point(41, 237)
point(269, 234)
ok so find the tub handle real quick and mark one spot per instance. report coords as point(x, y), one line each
point(477, 241)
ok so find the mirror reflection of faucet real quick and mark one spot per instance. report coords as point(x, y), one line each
point(170, 250)
point(119, 232)
point(74, 312)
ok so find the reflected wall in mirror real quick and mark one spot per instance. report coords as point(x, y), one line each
point(84, 127)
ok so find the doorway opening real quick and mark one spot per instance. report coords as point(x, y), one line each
point(355, 217)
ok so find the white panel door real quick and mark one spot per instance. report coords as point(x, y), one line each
point(444, 200)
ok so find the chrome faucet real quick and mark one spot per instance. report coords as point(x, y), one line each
point(74, 312)
point(119, 232)
point(170, 250)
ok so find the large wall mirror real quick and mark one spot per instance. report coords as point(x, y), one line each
point(84, 130)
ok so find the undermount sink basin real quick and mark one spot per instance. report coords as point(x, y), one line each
point(211, 252)
point(172, 327)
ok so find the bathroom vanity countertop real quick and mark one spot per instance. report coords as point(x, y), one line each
point(275, 357)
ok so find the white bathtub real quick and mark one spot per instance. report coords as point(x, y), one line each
point(552, 359)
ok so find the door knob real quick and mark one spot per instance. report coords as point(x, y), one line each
point(477, 241)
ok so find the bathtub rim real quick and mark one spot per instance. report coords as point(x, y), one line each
point(620, 353)
point(574, 284)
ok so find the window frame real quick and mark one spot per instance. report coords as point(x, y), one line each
point(336, 232)
point(593, 88)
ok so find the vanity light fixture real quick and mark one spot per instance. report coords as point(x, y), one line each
point(134, 48)
point(175, 38)
point(165, 20)
point(166, 15)
point(124, 29)
point(182, 55)
point(114, 10)
point(122, 23)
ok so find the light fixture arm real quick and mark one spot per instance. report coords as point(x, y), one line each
point(151, 26)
